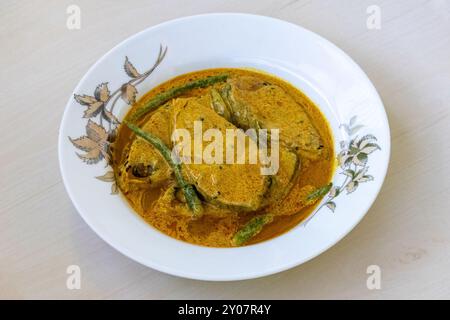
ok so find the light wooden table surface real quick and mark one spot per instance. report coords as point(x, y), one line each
point(406, 232)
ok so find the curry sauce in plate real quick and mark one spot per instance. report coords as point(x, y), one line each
point(221, 204)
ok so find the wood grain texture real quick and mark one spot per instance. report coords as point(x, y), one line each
point(406, 232)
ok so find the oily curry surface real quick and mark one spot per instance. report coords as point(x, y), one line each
point(239, 205)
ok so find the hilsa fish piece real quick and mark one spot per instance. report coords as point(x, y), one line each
point(261, 105)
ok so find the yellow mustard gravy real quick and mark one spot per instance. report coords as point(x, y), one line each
point(218, 225)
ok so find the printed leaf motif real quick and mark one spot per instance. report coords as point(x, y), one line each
point(108, 116)
point(369, 148)
point(94, 104)
point(344, 160)
point(365, 178)
point(107, 177)
point(93, 109)
point(94, 143)
point(96, 132)
point(331, 205)
point(355, 129)
point(360, 173)
point(102, 92)
point(350, 129)
point(347, 128)
point(84, 99)
point(354, 145)
point(84, 143)
point(368, 137)
point(364, 142)
point(360, 159)
point(334, 192)
point(129, 93)
point(349, 173)
point(351, 186)
point(352, 120)
point(130, 69)
point(92, 157)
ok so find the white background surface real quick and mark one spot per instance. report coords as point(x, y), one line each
point(406, 232)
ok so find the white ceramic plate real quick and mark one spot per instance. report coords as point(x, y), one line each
point(321, 70)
